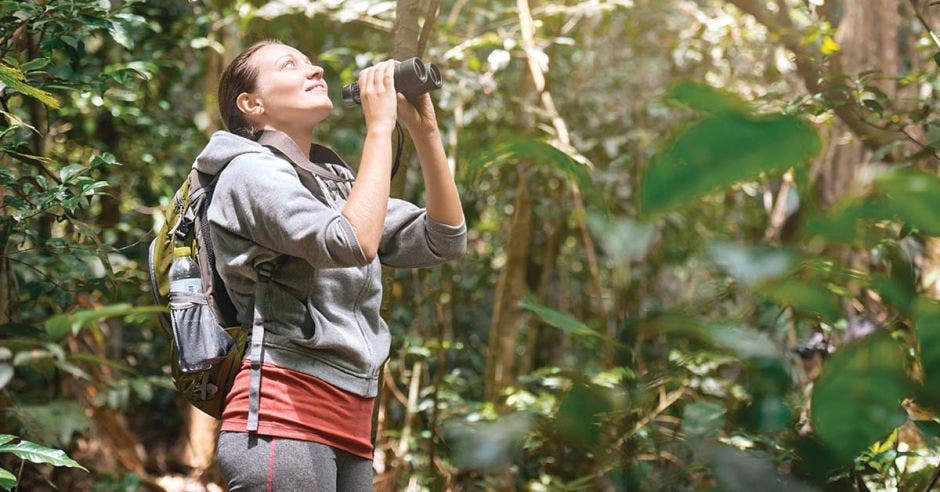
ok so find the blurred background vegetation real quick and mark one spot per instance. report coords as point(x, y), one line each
point(702, 254)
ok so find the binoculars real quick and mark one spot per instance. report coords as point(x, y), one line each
point(412, 78)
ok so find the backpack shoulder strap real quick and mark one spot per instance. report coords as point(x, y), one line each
point(282, 145)
point(256, 351)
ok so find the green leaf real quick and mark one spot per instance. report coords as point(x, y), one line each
point(807, 297)
point(706, 99)
point(702, 419)
point(844, 223)
point(70, 171)
point(60, 325)
point(15, 79)
point(746, 343)
point(537, 151)
point(927, 329)
point(913, 196)
point(936, 58)
point(40, 454)
point(120, 34)
point(5, 438)
point(750, 265)
point(579, 414)
point(7, 479)
point(929, 428)
point(719, 151)
point(54, 422)
point(35, 64)
point(624, 240)
point(857, 399)
point(746, 471)
point(558, 319)
point(488, 445)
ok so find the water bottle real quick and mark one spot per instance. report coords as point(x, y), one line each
point(184, 272)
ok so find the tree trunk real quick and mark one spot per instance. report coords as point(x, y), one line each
point(868, 36)
point(405, 32)
point(511, 286)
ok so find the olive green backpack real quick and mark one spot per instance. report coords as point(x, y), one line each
point(207, 340)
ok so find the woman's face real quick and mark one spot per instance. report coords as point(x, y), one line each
point(290, 88)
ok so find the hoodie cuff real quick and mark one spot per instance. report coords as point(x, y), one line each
point(442, 229)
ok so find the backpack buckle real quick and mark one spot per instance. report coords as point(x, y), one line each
point(185, 224)
point(265, 271)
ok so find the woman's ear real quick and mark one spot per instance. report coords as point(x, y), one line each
point(249, 104)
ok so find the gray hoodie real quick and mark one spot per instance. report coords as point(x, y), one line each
point(324, 298)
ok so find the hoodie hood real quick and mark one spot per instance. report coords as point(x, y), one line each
point(224, 146)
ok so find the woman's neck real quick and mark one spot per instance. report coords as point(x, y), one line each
point(302, 137)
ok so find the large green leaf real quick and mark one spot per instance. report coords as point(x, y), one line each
point(720, 150)
point(706, 99)
point(7, 479)
point(40, 454)
point(857, 400)
point(15, 79)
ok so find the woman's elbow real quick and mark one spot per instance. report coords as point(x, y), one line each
point(456, 249)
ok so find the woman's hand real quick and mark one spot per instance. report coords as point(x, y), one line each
point(377, 93)
point(419, 118)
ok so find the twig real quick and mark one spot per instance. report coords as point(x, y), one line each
point(40, 272)
point(427, 29)
point(933, 479)
point(665, 401)
point(778, 213)
point(19, 474)
point(923, 21)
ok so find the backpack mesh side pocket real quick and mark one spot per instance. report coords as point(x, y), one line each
point(200, 342)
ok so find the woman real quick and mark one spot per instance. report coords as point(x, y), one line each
point(299, 243)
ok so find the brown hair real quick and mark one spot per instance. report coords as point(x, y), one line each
point(239, 76)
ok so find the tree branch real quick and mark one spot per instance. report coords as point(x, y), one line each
point(427, 29)
point(817, 77)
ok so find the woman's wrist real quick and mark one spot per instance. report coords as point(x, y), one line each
point(424, 133)
point(379, 131)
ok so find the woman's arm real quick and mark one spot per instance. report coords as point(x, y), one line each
point(442, 199)
point(368, 200)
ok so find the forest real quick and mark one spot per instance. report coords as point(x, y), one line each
point(701, 249)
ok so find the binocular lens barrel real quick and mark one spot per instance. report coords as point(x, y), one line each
point(412, 78)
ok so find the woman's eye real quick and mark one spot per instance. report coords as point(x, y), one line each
point(289, 64)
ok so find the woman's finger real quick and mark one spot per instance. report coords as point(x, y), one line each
point(388, 75)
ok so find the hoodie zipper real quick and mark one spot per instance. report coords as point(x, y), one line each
point(326, 189)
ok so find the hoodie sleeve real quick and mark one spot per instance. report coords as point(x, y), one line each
point(412, 239)
point(260, 197)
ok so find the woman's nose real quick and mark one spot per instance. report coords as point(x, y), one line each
point(314, 72)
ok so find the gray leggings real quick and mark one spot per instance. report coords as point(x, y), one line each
point(255, 463)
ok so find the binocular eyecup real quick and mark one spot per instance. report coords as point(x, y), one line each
point(412, 78)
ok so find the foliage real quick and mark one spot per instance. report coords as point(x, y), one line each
point(747, 335)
